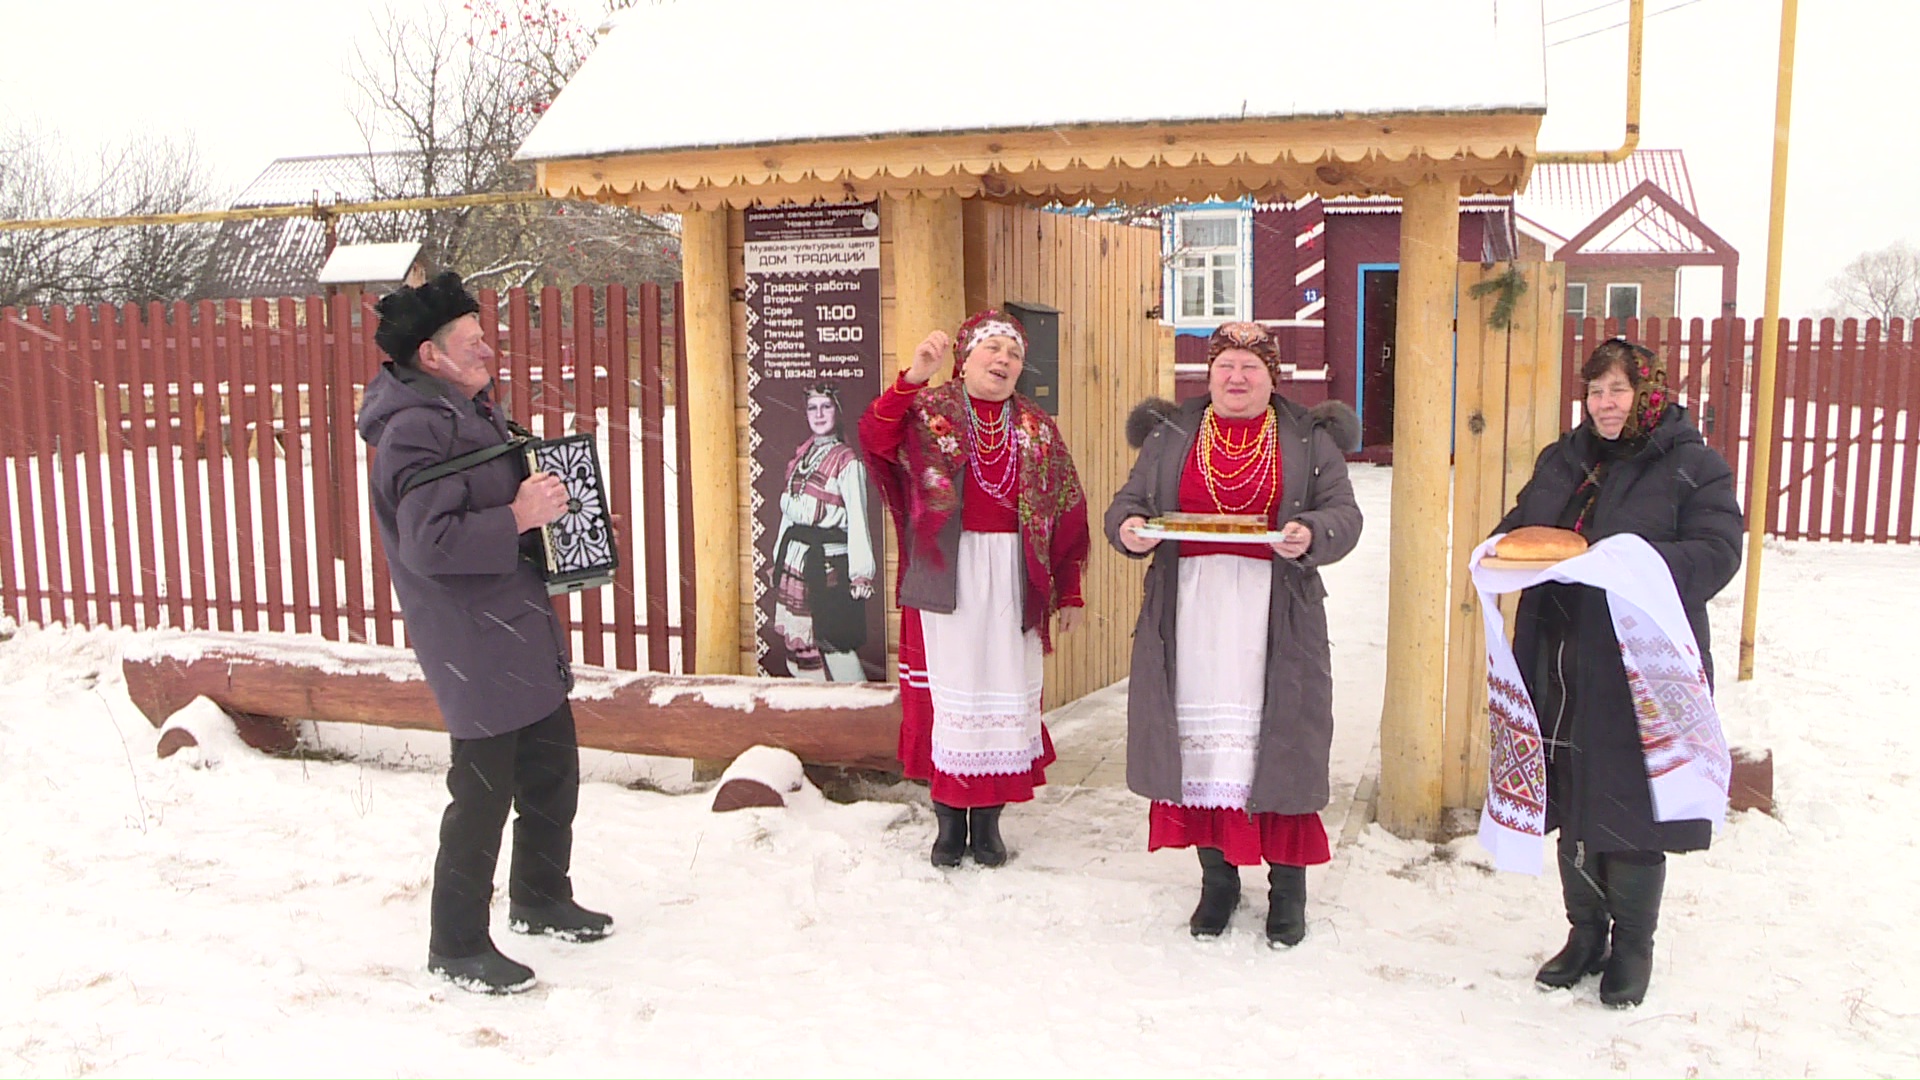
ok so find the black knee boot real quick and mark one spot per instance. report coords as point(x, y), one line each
point(1633, 898)
point(1219, 894)
point(1583, 888)
point(983, 835)
point(951, 841)
point(1286, 905)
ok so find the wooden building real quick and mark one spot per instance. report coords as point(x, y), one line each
point(1323, 273)
point(954, 122)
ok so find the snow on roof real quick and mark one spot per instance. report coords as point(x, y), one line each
point(280, 256)
point(696, 74)
point(1561, 200)
point(354, 263)
point(334, 178)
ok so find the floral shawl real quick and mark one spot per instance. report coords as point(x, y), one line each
point(923, 492)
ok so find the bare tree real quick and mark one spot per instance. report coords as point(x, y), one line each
point(38, 266)
point(457, 98)
point(154, 262)
point(87, 265)
point(1883, 284)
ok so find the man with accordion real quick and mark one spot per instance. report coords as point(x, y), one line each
point(455, 507)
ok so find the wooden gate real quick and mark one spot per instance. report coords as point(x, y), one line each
point(1507, 406)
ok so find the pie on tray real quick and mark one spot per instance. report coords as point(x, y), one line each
point(1223, 524)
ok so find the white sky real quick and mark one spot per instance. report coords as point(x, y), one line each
point(257, 80)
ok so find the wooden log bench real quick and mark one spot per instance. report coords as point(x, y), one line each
point(265, 681)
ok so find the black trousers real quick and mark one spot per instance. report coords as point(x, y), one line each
point(536, 771)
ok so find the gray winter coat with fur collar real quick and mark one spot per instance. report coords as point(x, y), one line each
point(1296, 732)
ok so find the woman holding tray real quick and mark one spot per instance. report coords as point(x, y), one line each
point(993, 535)
point(1230, 707)
point(1635, 465)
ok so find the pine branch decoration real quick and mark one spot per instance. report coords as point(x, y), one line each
point(1510, 286)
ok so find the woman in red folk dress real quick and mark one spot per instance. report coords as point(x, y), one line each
point(993, 535)
point(1230, 705)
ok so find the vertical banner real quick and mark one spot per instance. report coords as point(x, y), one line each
point(813, 366)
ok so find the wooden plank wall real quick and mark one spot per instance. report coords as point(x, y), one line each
point(1507, 407)
point(1104, 278)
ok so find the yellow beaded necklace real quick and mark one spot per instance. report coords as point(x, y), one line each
point(1248, 463)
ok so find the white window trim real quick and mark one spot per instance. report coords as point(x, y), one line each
point(1635, 286)
point(1170, 278)
point(1585, 295)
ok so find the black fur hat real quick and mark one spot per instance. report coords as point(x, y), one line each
point(409, 316)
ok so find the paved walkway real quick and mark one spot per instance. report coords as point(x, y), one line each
point(1090, 737)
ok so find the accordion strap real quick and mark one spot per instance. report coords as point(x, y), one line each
point(519, 437)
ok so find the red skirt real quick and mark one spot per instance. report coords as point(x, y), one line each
point(916, 737)
point(1246, 839)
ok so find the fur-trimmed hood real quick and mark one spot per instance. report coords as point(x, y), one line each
point(1337, 417)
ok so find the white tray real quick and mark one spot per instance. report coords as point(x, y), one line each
point(1161, 532)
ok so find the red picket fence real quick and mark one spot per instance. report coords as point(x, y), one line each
point(1846, 414)
point(196, 466)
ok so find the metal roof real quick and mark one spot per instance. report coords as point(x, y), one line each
point(283, 256)
point(1561, 200)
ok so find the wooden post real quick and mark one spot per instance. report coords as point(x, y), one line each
point(710, 423)
point(1411, 723)
point(929, 277)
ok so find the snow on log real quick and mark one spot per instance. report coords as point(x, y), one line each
point(763, 776)
point(689, 716)
point(202, 726)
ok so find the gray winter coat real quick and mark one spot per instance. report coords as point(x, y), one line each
point(477, 612)
point(1296, 731)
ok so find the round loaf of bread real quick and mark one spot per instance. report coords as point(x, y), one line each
point(1540, 543)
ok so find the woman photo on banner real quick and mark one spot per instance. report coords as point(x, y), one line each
point(823, 561)
point(993, 539)
point(1613, 652)
point(1230, 705)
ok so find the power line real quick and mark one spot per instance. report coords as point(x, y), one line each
point(1618, 25)
point(1588, 11)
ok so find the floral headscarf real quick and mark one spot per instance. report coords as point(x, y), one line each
point(1250, 336)
point(1646, 370)
point(980, 326)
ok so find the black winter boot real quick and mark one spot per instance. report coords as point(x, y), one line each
point(565, 920)
point(984, 836)
point(1219, 894)
point(485, 972)
point(1633, 898)
point(951, 841)
point(1583, 888)
point(1286, 905)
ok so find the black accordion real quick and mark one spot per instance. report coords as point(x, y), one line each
point(576, 551)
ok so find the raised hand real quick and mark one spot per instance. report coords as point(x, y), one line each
point(929, 356)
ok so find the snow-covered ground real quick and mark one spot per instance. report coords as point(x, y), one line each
point(268, 917)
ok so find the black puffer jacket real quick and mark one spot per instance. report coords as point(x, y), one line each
point(1677, 494)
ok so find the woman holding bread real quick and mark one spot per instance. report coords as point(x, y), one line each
point(1230, 707)
point(993, 532)
point(1637, 465)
